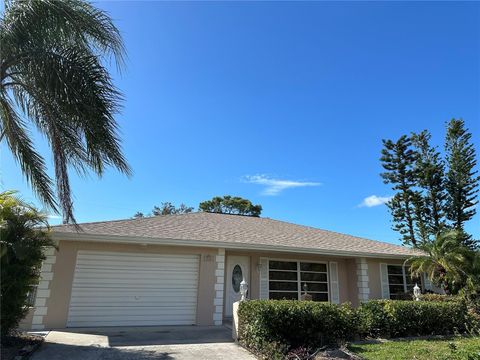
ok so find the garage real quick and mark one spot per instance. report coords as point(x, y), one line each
point(133, 289)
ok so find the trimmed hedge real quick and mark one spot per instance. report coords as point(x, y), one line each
point(272, 328)
point(439, 297)
point(412, 318)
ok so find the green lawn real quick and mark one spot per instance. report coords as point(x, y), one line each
point(455, 348)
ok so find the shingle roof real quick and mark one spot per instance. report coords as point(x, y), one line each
point(237, 230)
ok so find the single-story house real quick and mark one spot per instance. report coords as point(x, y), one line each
point(187, 269)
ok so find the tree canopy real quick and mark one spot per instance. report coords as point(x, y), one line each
point(432, 193)
point(231, 205)
point(166, 208)
point(52, 77)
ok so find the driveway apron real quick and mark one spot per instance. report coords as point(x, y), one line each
point(152, 343)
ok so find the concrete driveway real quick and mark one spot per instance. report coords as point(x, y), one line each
point(143, 343)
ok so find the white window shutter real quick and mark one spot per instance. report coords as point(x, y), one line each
point(263, 278)
point(334, 288)
point(384, 280)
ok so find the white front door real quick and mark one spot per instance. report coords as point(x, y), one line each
point(237, 271)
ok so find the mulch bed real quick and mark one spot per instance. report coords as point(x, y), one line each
point(19, 345)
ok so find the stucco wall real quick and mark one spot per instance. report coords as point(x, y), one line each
point(351, 284)
point(64, 268)
point(374, 275)
point(344, 276)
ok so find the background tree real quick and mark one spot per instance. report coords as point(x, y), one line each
point(51, 74)
point(231, 205)
point(430, 175)
point(398, 159)
point(22, 243)
point(432, 194)
point(167, 208)
point(462, 180)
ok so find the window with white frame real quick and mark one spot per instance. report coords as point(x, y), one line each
point(288, 279)
point(400, 282)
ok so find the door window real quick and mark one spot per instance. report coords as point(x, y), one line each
point(237, 277)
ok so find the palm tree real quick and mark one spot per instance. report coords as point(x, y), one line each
point(446, 260)
point(52, 76)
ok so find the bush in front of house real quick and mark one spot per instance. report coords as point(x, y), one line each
point(21, 255)
point(392, 318)
point(272, 328)
point(275, 329)
point(438, 297)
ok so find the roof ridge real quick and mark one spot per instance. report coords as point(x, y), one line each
point(127, 219)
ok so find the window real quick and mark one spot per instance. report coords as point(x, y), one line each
point(288, 280)
point(400, 282)
point(237, 277)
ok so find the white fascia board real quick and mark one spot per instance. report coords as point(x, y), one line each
point(69, 236)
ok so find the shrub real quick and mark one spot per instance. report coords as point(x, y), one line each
point(21, 255)
point(412, 318)
point(271, 328)
point(438, 297)
point(279, 329)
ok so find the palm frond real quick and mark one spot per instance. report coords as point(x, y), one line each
point(69, 22)
point(31, 163)
point(51, 68)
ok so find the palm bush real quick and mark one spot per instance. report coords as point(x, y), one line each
point(23, 238)
point(446, 261)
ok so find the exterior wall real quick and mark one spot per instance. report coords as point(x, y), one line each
point(351, 283)
point(374, 275)
point(349, 276)
point(344, 277)
point(63, 270)
point(212, 277)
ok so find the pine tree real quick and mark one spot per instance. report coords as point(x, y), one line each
point(421, 216)
point(462, 181)
point(430, 172)
point(398, 159)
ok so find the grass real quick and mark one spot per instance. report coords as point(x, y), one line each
point(454, 348)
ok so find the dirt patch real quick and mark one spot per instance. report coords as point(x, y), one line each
point(336, 354)
point(19, 346)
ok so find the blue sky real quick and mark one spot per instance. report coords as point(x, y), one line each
point(285, 104)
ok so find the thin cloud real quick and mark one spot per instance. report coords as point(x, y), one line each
point(54, 217)
point(375, 200)
point(274, 187)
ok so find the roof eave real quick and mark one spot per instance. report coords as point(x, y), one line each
point(138, 240)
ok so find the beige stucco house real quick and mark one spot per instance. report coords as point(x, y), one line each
point(186, 269)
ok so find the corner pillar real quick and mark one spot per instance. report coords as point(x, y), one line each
point(362, 279)
point(219, 284)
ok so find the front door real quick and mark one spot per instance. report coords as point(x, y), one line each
point(237, 271)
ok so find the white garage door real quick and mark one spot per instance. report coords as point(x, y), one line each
point(128, 289)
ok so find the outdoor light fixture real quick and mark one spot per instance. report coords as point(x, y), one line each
point(243, 290)
point(416, 292)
